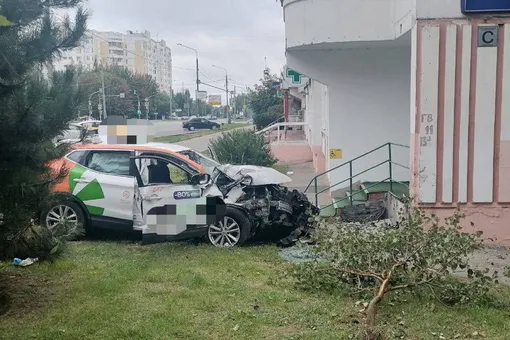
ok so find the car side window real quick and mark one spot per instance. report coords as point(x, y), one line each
point(156, 171)
point(110, 162)
point(77, 156)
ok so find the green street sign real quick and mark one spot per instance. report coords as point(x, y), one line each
point(139, 112)
point(295, 76)
point(279, 94)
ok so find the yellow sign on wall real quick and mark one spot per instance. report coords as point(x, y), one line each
point(335, 153)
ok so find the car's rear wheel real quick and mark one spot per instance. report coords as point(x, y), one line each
point(233, 230)
point(191, 128)
point(68, 213)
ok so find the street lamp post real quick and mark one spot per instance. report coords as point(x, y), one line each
point(139, 112)
point(147, 105)
point(90, 101)
point(198, 79)
point(229, 121)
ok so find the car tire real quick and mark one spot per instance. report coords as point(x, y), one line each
point(234, 230)
point(214, 127)
point(70, 211)
point(191, 128)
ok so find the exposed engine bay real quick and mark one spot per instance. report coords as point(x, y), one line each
point(266, 204)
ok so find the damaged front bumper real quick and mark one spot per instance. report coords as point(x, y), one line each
point(259, 192)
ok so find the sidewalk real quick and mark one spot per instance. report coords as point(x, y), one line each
point(303, 173)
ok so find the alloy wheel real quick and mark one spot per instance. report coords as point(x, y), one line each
point(61, 214)
point(225, 233)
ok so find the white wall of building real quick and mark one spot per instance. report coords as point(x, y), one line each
point(337, 21)
point(368, 104)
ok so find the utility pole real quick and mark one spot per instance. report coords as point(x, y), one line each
point(198, 79)
point(235, 102)
point(171, 99)
point(90, 102)
point(198, 89)
point(104, 95)
point(139, 112)
point(229, 119)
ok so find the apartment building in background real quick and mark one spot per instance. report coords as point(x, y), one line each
point(136, 51)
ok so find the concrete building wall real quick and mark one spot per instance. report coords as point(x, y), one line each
point(368, 105)
point(461, 122)
point(315, 101)
point(335, 21)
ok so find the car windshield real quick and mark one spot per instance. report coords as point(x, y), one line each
point(207, 163)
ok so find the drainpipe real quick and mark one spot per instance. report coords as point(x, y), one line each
point(286, 105)
point(285, 109)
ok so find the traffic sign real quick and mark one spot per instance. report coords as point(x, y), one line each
point(139, 112)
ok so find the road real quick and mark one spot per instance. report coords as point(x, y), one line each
point(164, 128)
point(200, 144)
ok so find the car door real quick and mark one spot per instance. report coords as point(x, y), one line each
point(196, 123)
point(105, 183)
point(205, 124)
point(172, 206)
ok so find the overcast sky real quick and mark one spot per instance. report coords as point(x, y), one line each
point(234, 34)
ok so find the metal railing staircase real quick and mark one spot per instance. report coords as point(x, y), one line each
point(361, 194)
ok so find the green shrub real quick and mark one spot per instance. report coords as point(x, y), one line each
point(264, 119)
point(243, 147)
point(374, 262)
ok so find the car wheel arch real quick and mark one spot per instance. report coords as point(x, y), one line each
point(65, 196)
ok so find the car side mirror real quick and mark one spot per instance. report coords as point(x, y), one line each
point(200, 179)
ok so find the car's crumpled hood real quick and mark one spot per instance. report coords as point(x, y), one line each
point(260, 175)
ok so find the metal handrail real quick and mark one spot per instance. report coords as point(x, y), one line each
point(352, 176)
point(277, 125)
point(273, 123)
point(344, 164)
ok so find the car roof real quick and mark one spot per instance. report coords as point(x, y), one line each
point(88, 122)
point(137, 147)
point(171, 147)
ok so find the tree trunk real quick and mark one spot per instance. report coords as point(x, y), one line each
point(370, 322)
point(371, 311)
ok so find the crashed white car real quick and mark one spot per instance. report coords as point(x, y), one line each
point(256, 199)
point(146, 188)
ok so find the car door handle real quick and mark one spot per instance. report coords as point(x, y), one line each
point(80, 180)
point(153, 198)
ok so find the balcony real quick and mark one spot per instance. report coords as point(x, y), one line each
point(326, 24)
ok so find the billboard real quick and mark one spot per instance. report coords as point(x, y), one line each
point(215, 100)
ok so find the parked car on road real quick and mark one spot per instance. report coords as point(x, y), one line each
point(75, 130)
point(200, 123)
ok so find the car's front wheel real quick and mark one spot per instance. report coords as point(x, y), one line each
point(191, 128)
point(68, 214)
point(214, 127)
point(233, 230)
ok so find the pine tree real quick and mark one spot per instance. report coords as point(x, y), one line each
point(33, 108)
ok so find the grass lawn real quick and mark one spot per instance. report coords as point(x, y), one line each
point(119, 290)
point(199, 133)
